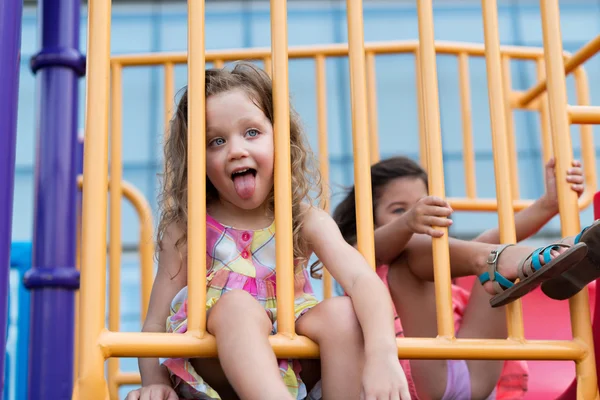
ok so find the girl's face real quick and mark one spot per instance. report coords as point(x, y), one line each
point(396, 197)
point(239, 150)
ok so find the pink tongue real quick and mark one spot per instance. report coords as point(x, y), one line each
point(244, 185)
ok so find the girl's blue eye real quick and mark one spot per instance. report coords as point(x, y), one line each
point(252, 133)
point(399, 211)
point(218, 141)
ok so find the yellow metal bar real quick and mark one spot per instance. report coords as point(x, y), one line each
point(567, 200)
point(435, 167)
point(91, 382)
point(481, 204)
point(506, 215)
point(218, 63)
point(146, 253)
point(321, 90)
point(169, 95)
point(360, 126)
point(196, 171)
point(283, 177)
point(128, 378)
point(146, 248)
point(146, 245)
point(546, 138)
point(114, 249)
point(584, 114)
point(328, 50)
point(510, 127)
point(467, 124)
point(268, 66)
point(372, 107)
point(581, 56)
point(588, 150)
point(126, 344)
point(421, 112)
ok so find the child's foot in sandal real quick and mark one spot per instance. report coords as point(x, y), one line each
point(508, 262)
point(570, 282)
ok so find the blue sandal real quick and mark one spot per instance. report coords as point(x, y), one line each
point(570, 282)
point(531, 271)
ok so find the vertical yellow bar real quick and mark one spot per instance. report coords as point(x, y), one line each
point(283, 177)
point(372, 107)
point(586, 133)
point(467, 124)
point(169, 95)
point(268, 66)
point(500, 145)
point(91, 382)
point(115, 190)
point(567, 199)
point(321, 90)
point(544, 115)
point(360, 136)
point(146, 253)
point(510, 127)
point(196, 170)
point(421, 112)
point(430, 100)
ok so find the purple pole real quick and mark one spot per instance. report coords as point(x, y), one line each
point(53, 278)
point(10, 53)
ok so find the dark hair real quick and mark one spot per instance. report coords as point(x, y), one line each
point(382, 173)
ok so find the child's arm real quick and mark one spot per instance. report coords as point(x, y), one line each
point(534, 217)
point(371, 301)
point(171, 277)
point(390, 239)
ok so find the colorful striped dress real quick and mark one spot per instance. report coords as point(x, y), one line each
point(245, 260)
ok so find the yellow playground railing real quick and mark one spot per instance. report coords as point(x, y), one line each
point(118, 190)
point(548, 97)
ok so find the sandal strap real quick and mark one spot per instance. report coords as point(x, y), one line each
point(532, 263)
point(499, 282)
point(578, 237)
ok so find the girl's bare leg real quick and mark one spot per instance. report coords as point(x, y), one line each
point(333, 325)
point(414, 300)
point(410, 280)
point(466, 258)
point(242, 328)
point(481, 321)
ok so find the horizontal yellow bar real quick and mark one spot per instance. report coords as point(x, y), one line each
point(127, 378)
point(330, 50)
point(126, 344)
point(584, 115)
point(574, 61)
point(466, 204)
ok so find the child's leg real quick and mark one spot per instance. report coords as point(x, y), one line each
point(414, 300)
point(333, 325)
point(466, 258)
point(480, 321)
point(242, 327)
point(412, 292)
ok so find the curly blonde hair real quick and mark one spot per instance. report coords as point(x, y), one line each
point(306, 180)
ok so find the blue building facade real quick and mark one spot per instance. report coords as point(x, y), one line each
point(143, 28)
